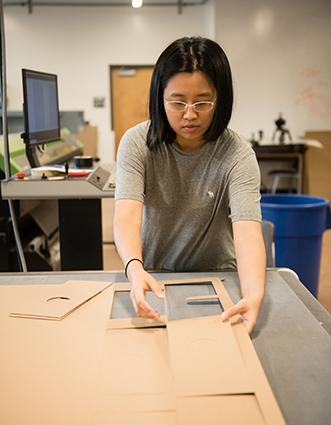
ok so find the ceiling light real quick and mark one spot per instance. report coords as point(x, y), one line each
point(137, 3)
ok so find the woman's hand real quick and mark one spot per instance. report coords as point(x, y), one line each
point(141, 281)
point(251, 261)
point(127, 234)
point(248, 308)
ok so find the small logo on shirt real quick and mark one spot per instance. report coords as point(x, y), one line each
point(210, 194)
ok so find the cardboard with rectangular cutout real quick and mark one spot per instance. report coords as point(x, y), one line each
point(207, 363)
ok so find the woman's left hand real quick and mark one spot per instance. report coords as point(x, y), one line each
point(248, 308)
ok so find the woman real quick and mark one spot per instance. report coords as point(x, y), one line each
point(187, 187)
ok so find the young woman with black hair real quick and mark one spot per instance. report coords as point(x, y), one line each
point(187, 187)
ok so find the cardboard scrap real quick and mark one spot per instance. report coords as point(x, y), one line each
point(55, 302)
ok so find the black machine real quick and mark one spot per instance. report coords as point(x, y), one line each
point(37, 219)
point(41, 112)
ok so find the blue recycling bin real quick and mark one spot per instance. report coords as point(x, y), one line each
point(300, 221)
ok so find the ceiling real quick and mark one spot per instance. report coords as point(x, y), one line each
point(31, 4)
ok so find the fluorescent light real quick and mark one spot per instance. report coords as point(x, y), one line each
point(137, 3)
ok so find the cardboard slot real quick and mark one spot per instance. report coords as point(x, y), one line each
point(203, 297)
point(178, 308)
point(122, 307)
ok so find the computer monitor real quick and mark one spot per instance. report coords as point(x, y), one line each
point(41, 112)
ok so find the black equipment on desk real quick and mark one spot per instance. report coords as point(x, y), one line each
point(41, 112)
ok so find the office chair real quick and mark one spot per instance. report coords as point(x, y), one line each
point(268, 232)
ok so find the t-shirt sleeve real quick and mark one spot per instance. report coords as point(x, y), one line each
point(130, 168)
point(244, 189)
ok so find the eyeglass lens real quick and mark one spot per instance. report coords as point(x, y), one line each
point(182, 106)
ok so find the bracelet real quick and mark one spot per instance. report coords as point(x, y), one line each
point(127, 264)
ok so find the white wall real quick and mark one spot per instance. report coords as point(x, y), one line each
point(79, 43)
point(279, 51)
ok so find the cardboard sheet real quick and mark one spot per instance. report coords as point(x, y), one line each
point(55, 302)
point(205, 357)
point(104, 365)
point(215, 410)
point(142, 363)
point(215, 370)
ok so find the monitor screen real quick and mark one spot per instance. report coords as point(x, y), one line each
point(41, 107)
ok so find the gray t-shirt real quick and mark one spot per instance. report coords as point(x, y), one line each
point(190, 199)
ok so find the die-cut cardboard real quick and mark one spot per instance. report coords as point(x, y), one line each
point(215, 410)
point(93, 369)
point(55, 302)
point(213, 364)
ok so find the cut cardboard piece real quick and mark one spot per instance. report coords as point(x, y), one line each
point(136, 418)
point(122, 314)
point(135, 361)
point(215, 410)
point(209, 343)
point(129, 375)
point(55, 302)
point(137, 403)
point(212, 362)
point(179, 301)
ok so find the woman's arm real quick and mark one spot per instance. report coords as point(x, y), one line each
point(251, 263)
point(127, 236)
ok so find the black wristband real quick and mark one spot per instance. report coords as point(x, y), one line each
point(130, 261)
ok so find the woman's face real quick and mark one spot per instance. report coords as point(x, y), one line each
point(190, 125)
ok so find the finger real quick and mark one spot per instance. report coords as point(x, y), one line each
point(141, 306)
point(233, 311)
point(156, 288)
point(146, 311)
point(249, 326)
point(143, 309)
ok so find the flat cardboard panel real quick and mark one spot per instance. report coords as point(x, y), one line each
point(137, 403)
point(49, 369)
point(214, 410)
point(205, 357)
point(208, 355)
point(54, 302)
point(135, 361)
point(136, 418)
point(81, 368)
point(208, 308)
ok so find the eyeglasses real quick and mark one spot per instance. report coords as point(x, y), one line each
point(176, 106)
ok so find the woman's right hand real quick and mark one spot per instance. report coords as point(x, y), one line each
point(141, 281)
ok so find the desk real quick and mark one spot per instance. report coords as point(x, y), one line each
point(79, 202)
point(292, 339)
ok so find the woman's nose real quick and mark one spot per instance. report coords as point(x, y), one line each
point(190, 112)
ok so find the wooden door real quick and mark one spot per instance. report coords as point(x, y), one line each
point(129, 95)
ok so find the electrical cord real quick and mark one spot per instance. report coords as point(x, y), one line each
point(20, 252)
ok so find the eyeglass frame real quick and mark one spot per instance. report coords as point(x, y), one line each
point(187, 105)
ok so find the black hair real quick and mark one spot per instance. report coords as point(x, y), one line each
point(190, 54)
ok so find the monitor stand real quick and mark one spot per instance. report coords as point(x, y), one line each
point(32, 156)
point(31, 153)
